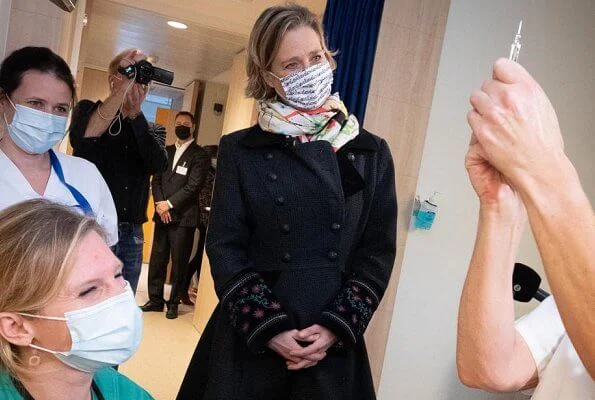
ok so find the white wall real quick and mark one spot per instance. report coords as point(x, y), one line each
point(42, 23)
point(563, 61)
point(4, 19)
point(240, 111)
point(35, 23)
point(223, 78)
point(211, 124)
point(558, 51)
point(190, 96)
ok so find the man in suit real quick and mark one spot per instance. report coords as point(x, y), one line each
point(175, 192)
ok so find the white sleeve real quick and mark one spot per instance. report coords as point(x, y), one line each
point(542, 330)
point(106, 213)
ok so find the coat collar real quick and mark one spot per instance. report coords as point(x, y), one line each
point(365, 141)
point(351, 180)
point(257, 138)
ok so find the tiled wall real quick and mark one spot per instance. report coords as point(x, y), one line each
point(35, 22)
point(4, 19)
point(399, 102)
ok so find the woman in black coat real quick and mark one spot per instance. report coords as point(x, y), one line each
point(302, 235)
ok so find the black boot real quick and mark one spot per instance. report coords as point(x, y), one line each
point(172, 311)
point(152, 306)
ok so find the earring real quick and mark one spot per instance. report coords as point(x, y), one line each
point(34, 360)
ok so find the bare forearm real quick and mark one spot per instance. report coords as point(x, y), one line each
point(486, 337)
point(563, 224)
point(103, 116)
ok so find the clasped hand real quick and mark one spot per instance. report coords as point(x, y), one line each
point(162, 209)
point(516, 133)
point(287, 345)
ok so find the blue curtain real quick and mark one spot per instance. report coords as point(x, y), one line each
point(352, 27)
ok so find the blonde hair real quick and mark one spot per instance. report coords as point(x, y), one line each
point(265, 39)
point(115, 63)
point(37, 247)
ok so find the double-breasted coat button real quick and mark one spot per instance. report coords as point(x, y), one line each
point(286, 257)
point(333, 255)
point(351, 156)
point(273, 177)
point(268, 156)
point(285, 228)
point(335, 227)
point(280, 200)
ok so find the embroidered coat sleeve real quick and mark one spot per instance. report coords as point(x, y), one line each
point(350, 312)
point(253, 309)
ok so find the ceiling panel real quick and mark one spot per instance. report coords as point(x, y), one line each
point(199, 52)
point(217, 31)
point(235, 16)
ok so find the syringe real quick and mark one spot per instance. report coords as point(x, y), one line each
point(515, 47)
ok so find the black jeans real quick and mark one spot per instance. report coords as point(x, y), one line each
point(177, 241)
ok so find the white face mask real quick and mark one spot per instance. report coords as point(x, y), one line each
point(310, 88)
point(103, 335)
point(34, 131)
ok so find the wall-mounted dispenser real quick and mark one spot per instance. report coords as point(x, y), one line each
point(425, 216)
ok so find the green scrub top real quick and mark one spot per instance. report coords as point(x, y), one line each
point(112, 384)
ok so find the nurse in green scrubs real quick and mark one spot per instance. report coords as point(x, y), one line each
point(66, 313)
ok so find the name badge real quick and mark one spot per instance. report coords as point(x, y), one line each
point(182, 170)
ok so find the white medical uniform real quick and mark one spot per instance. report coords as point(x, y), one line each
point(79, 173)
point(562, 375)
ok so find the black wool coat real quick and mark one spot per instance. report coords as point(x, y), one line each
point(298, 235)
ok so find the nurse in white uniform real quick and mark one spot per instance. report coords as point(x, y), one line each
point(36, 96)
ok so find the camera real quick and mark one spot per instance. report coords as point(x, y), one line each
point(145, 72)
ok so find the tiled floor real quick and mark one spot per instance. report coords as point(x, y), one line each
point(160, 363)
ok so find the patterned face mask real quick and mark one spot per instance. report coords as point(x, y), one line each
point(308, 89)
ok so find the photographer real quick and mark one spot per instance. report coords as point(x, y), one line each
point(115, 136)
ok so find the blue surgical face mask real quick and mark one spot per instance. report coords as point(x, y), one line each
point(103, 335)
point(34, 131)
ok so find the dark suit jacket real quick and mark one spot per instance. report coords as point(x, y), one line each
point(182, 190)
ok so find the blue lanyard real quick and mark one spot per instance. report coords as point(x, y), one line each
point(78, 196)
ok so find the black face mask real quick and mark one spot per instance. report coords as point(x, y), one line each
point(182, 132)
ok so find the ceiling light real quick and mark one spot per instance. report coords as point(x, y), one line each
point(177, 25)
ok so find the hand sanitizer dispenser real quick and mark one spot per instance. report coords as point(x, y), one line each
point(427, 213)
